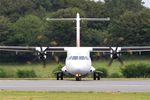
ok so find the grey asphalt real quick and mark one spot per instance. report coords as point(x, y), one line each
point(77, 86)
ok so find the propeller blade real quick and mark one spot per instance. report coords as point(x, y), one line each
point(116, 49)
point(111, 49)
point(46, 48)
point(120, 60)
point(110, 63)
point(44, 63)
point(56, 58)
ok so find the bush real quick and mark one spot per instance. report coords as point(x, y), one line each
point(26, 74)
point(105, 72)
point(136, 71)
point(2, 73)
point(115, 75)
point(58, 68)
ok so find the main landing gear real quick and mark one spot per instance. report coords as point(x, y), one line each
point(97, 75)
point(60, 75)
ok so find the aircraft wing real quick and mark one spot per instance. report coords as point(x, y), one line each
point(101, 49)
point(17, 48)
point(55, 49)
point(122, 49)
point(31, 49)
point(135, 49)
point(62, 49)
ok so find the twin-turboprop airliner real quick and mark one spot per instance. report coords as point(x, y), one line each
point(78, 62)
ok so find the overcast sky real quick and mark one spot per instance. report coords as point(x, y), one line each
point(147, 3)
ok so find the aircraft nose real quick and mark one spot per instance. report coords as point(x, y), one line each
point(80, 68)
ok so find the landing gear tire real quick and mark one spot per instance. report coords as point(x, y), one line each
point(96, 76)
point(60, 75)
point(78, 78)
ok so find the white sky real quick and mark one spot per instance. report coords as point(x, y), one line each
point(147, 3)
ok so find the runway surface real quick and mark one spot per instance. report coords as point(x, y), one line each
point(76, 86)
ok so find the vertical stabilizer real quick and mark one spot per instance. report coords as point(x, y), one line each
point(78, 30)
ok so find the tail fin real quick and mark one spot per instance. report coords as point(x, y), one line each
point(77, 24)
point(78, 30)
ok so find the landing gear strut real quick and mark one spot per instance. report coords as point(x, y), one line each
point(96, 75)
point(60, 75)
point(78, 77)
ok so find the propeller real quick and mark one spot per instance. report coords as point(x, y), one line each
point(41, 54)
point(115, 54)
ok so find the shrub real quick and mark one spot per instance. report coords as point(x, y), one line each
point(115, 75)
point(136, 71)
point(105, 72)
point(2, 73)
point(56, 69)
point(26, 74)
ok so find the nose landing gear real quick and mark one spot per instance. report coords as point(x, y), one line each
point(78, 77)
point(59, 75)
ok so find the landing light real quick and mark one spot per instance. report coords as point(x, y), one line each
point(78, 75)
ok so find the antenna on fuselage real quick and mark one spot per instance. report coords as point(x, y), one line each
point(78, 19)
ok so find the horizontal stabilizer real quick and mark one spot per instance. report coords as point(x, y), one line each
point(96, 19)
point(70, 19)
point(60, 19)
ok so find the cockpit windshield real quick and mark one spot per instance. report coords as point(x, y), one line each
point(78, 58)
point(74, 57)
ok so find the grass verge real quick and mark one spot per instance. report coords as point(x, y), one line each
point(26, 95)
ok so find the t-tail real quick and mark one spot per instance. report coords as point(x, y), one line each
point(78, 19)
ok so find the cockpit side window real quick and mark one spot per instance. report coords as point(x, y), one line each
point(86, 58)
point(70, 58)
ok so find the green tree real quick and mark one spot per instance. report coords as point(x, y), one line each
point(131, 29)
point(94, 37)
point(4, 30)
point(115, 8)
point(29, 30)
point(14, 9)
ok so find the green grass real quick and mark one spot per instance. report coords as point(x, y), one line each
point(41, 72)
point(17, 95)
point(47, 72)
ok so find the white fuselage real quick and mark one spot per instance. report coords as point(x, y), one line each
point(78, 61)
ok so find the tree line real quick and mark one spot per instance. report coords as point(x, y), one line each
point(23, 23)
